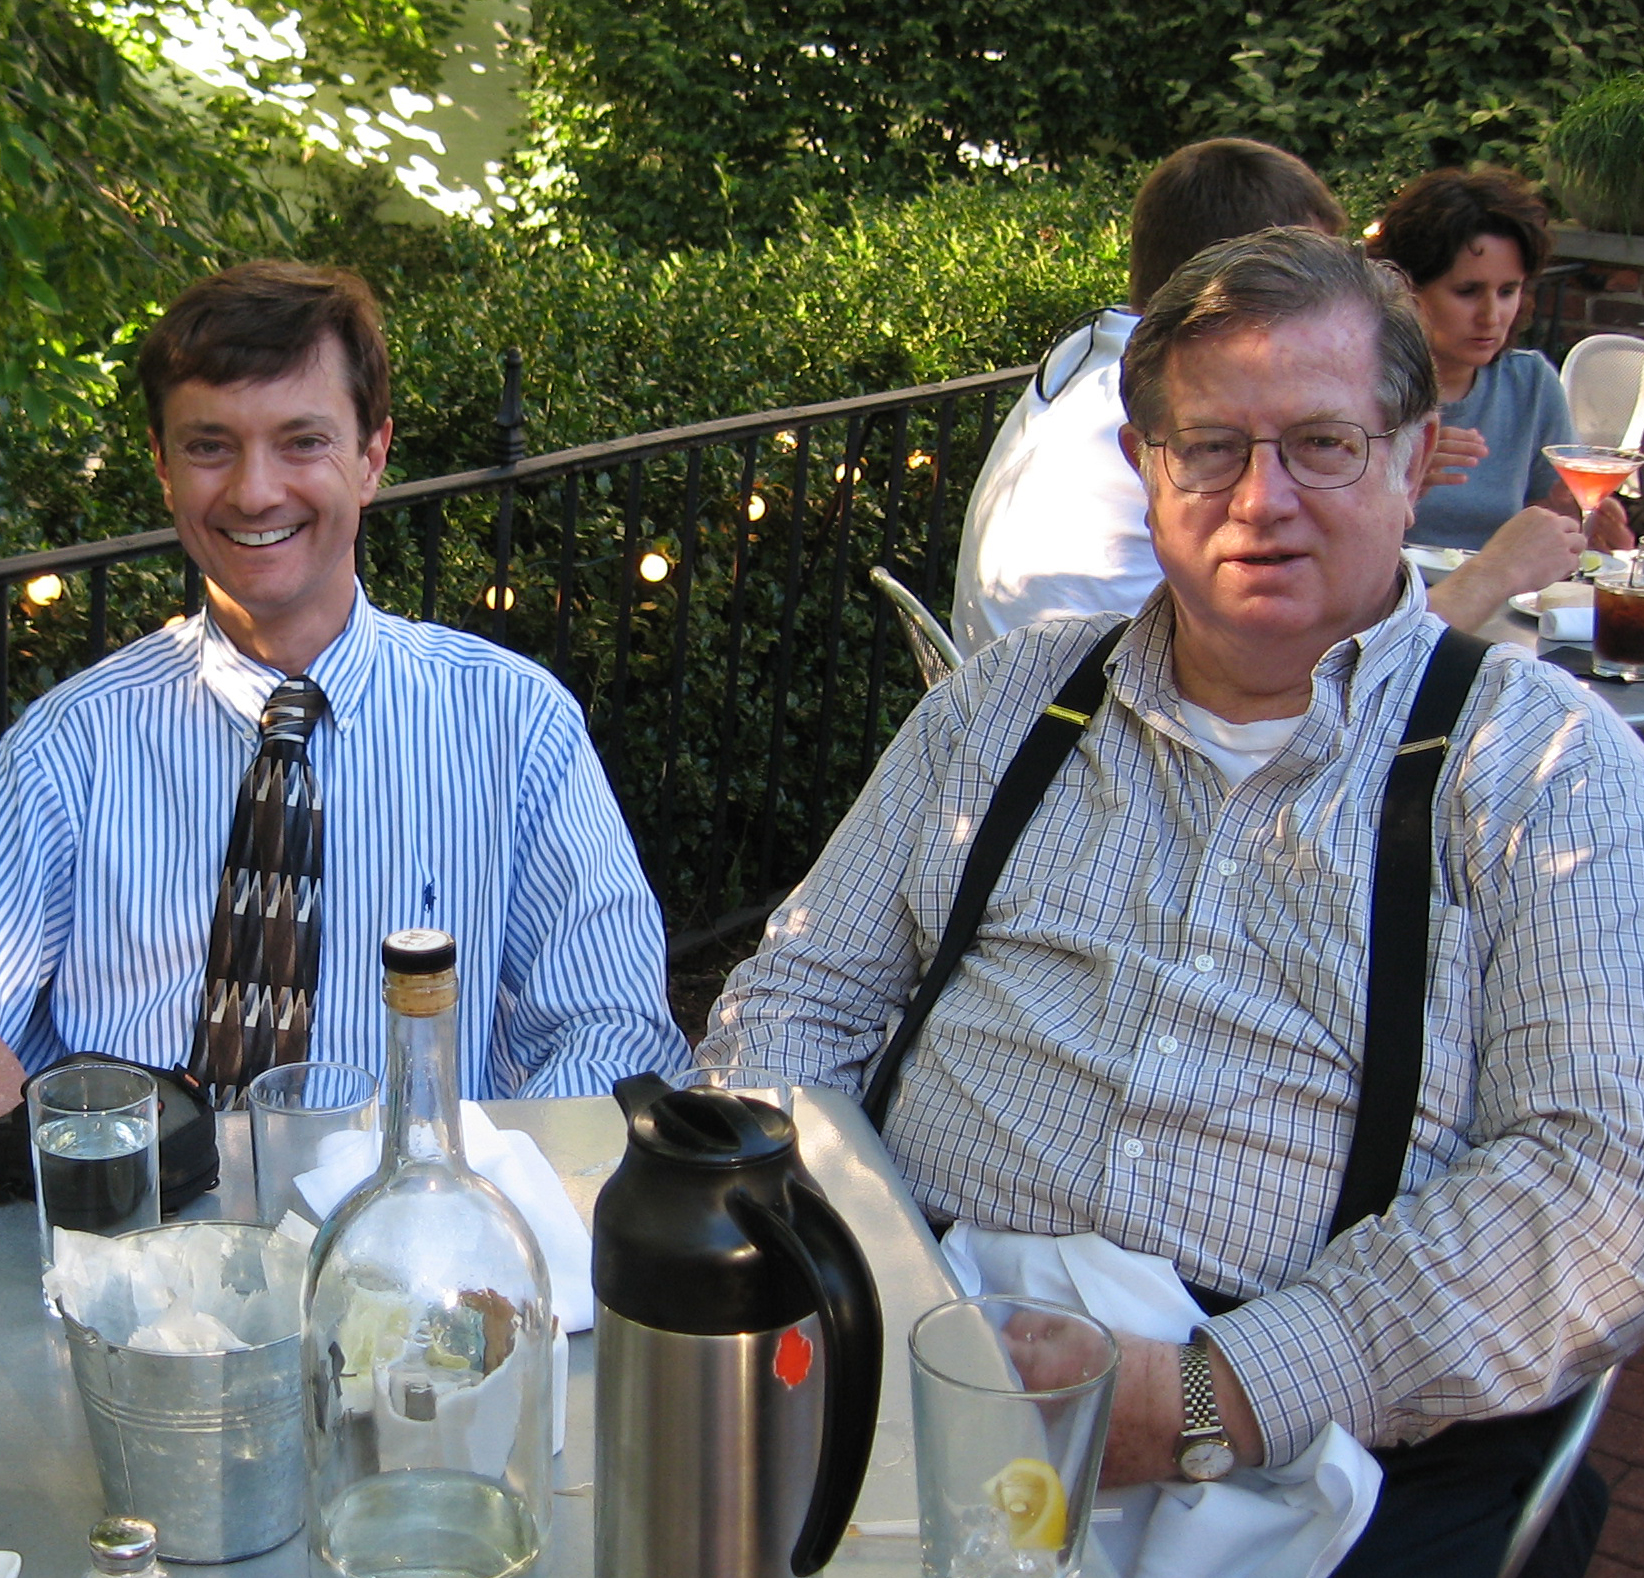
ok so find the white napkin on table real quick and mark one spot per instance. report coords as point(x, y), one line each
point(508, 1158)
point(1297, 1521)
point(1567, 624)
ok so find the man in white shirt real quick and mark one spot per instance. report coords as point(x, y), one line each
point(453, 781)
point(1056, 524)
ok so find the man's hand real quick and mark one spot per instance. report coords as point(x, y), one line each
point(1148, 1414)
point(1607, 528)
point(1527, 552)
point(1462, 447)
point(1050, 1351)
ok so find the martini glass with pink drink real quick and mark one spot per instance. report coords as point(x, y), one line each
point(1592, 472)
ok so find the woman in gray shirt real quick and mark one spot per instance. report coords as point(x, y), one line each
point(1472, 243)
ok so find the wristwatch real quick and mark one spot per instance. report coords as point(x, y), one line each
point(1203, 1451)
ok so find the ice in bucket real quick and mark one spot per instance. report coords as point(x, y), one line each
point(184, 1341)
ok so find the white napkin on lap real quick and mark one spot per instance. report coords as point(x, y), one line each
point(1297, 1521)
point(508, 1158)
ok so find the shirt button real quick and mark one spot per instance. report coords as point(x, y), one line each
point(1204, 963)
point(1168, 1043)
point(1228, 868)
point(1133, 1148)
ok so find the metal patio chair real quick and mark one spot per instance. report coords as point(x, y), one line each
point(1603, 378)
point(933, 650)
point(1555, 1476)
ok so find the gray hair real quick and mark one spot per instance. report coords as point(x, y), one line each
point(1266, 278)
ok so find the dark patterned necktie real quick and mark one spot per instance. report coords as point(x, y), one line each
point(263, 963)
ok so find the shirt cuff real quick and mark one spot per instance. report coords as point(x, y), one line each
point(1301, 1366)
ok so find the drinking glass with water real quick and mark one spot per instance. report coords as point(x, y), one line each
point(95, 1131)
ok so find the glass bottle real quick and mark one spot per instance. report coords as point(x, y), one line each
point(427, 1346)
point(123, 1547)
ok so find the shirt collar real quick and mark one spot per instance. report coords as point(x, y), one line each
point(1347, 673)
point(343, 670)
point(243, 685)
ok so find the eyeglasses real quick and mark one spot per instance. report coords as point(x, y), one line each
point(1316, 454)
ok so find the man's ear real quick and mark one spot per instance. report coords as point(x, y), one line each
point(376, 457)
point(1133, 444)
point(157, 453)
point(1421, 455)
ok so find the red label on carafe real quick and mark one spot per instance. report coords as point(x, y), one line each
point(793, 1357)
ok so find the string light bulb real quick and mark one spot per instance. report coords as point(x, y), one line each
point(756, 507)
point(507, 598)
point(43, 589)
point(654, 567)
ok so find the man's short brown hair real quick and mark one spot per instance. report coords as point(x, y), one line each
point(260, 321)
point(1209, 191)
point(1268, 278)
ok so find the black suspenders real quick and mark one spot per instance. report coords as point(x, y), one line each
point(1394, 1023)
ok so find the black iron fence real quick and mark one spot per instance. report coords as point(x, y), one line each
point(703, 591)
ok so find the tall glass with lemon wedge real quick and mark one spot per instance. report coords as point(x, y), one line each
point(1010, 1410)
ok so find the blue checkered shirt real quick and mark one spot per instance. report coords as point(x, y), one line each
point(1157, 1032)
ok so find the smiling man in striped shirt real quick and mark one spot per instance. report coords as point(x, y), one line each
point(458, 786)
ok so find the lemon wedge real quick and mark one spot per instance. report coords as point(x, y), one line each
point(1029, 1493)
point(1590, 562)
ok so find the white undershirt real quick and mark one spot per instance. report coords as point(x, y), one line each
point(1238, 748)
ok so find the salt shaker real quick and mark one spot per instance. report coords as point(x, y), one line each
point(124, 1548)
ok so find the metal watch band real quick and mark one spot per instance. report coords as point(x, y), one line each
point(1204, 1452)
point(1198, 1392)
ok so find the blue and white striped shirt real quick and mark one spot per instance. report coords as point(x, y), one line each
point(460, 791)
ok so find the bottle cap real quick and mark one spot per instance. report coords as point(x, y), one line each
point(122, 1545)
point(419, 951)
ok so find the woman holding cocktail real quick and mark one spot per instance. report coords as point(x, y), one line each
point(1472, 243)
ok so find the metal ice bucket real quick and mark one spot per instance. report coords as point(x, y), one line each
point(209, 1446)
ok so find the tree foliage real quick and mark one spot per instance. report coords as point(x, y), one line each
point(683, 121)
point(1349, 85)
point(120, 178)
point(106, 191)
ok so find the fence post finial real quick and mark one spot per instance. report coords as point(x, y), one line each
point(510, 422)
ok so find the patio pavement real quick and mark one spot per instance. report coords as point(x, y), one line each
point(1618, 1454)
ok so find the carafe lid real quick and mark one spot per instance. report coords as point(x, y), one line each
point(679, 1236)
point(711, 1128)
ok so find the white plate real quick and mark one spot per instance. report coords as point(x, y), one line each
point(1529, 603)
point(1435, 563)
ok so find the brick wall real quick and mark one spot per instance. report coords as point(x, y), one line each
point(1594, 285)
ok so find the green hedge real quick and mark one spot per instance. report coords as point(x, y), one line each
point(973, 276)
point(687, 120)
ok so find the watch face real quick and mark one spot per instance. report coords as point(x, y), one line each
point(1205, 1460)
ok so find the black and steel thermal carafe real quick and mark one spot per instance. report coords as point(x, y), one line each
point(738, 1347)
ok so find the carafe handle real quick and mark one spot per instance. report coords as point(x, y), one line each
point(818, 1243)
